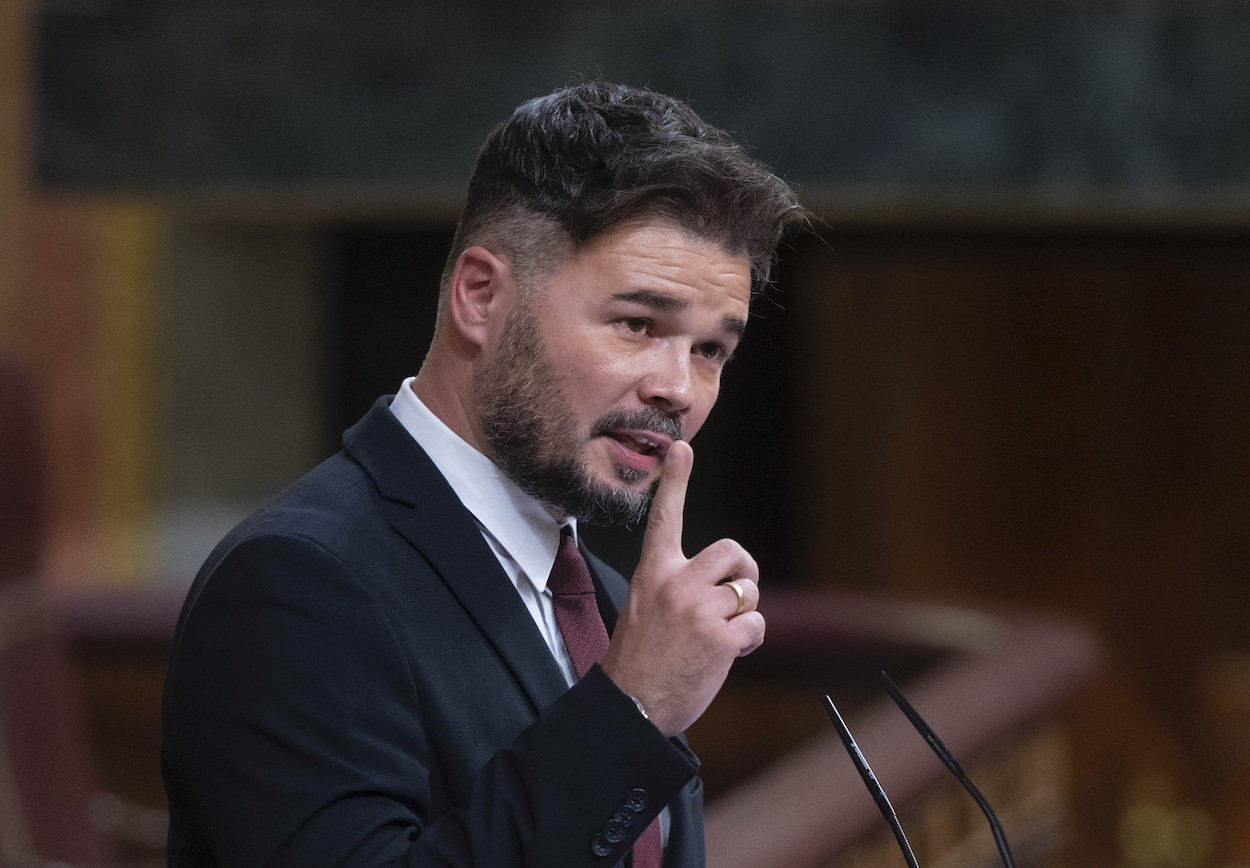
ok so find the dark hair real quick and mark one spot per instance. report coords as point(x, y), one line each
point(589, 157)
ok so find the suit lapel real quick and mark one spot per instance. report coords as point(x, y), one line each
point(436, 524)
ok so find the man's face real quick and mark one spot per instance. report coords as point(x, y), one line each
point(591, 378)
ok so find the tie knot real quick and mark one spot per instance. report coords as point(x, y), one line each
point(569, 574)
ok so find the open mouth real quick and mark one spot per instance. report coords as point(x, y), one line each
point(639, 439)
point(640, 443)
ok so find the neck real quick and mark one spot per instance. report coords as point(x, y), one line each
point(447, 390)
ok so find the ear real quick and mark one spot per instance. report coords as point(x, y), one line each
point(480, 289)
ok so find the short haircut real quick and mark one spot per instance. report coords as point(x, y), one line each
point(574, 164)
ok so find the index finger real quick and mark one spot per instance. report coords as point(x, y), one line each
point(664, 522)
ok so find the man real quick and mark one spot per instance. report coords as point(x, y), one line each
point(394, 662)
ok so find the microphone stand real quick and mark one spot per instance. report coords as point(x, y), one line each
point(1000, 838)
point(870, 781)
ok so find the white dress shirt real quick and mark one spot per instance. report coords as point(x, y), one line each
point(520, 531)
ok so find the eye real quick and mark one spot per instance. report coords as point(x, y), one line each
point(712, 351)
point(635, 324)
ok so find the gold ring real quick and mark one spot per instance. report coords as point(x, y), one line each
point(742, 598)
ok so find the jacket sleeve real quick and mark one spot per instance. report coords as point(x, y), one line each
point(294, 737)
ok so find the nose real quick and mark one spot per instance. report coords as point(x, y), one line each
point(669, 386)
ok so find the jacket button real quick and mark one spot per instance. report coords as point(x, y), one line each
point(627, 816)
point(600, 846)
point(614, 831)
point(636, 800)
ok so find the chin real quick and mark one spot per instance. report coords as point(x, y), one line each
point(626, 479)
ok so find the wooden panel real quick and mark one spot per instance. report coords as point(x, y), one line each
point(1055, 421)
point(83, 322)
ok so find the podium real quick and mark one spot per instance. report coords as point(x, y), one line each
point(782, 792)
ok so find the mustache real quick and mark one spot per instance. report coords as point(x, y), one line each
point(642, 419)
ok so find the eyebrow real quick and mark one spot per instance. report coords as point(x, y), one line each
point(650, 298)
point(660, 301)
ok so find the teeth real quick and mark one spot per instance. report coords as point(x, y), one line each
point(639, 443)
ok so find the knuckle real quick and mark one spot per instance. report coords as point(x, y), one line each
point(673, 594)
point(725, 556)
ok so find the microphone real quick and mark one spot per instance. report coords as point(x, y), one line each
point(878, 792)
point(870, 781)
point(1000, 838)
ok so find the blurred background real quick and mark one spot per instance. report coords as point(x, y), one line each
point(1005, 376)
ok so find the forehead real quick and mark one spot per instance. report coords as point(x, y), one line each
point(659, 256)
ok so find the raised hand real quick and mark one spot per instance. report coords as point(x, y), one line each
point(682, 625)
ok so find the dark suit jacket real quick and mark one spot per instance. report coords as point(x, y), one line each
point(355, 681)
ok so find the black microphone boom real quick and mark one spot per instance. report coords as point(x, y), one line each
point(1000, 838)
point(870, 781)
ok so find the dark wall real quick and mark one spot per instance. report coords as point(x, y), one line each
point(381, 296)
point(1046, 96)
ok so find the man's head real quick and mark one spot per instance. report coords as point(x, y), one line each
point(600, 279)
point(572, 165)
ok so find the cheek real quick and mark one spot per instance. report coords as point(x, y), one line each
point(604, 379)
point(589, 390)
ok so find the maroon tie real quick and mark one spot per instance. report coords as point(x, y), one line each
point(586, 640)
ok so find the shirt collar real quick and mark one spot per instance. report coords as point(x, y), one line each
point(519, 524)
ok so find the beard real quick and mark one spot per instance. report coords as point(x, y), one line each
point(535, 438)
